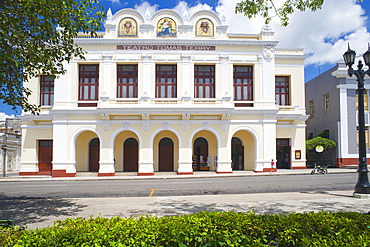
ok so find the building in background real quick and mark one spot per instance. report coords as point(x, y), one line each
point(331, 102)
point(166, 92)
point(14, 141)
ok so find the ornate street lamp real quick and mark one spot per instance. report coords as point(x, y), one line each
point(362, 186)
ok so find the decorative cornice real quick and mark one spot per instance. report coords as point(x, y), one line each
point(295, 57)
point(340, 73)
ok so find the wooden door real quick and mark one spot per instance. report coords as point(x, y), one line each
point(45, 157)
point(130, 155)
point(94, 154)
point(166, 155)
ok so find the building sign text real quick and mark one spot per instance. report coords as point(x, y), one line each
point(166, 47)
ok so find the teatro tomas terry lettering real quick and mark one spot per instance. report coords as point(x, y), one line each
point(166, 47)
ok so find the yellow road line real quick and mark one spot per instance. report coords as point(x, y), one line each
point(152, 192)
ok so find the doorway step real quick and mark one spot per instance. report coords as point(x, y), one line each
point(86, 174)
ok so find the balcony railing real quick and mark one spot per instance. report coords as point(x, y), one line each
point(168, 101)
point(286, 107)
point(176, 102)
point(126, 101)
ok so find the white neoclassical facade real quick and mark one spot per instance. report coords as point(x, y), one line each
point(166, 92)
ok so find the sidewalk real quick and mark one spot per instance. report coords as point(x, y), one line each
point(80, 176)
point(42, 212)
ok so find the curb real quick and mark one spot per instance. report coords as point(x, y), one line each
point(215, 175)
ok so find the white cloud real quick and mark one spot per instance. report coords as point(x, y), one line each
point(115, 2)
point(324, 34)
point(198, 7)
point(141, 8)
point(179, 8)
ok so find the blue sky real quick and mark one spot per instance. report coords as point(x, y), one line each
point(323, 35)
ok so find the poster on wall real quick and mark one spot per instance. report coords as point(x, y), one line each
point(297, 154)
point(166, 28)
point(204, 28)
point(127, 28)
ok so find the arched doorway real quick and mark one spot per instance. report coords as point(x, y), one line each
point(237, 154)
point(94, 151)
point(201, 152)
point(130, 155)
point(166, 155)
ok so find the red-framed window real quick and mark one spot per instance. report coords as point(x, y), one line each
point(243, 83)
point(127, 81)
point(166, 76)
point(204, 81)
point(282, 90)
point(47, 90)
point(88, 82)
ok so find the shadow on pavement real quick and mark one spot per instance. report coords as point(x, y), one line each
point(326, 193)
point(171, 208)
point(27, 210)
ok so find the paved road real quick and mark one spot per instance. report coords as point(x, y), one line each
point(177, 187)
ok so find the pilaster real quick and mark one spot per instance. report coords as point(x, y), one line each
point(147, 64)
point(224, 57)
point(61, 167)
point(186, 81)
point(267, 86)
point(62, 87)
point(185, 165)
point(146, 163)
point(107, 76)
point(343, 123)
point(269, 141)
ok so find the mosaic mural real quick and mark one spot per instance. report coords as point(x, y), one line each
point(166, 28)
point(204, 28)
point(127, 27)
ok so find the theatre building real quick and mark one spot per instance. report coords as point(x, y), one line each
point(169, 93)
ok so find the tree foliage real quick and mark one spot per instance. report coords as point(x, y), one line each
point(264, 8)
point(31, 44)
point(319, 141)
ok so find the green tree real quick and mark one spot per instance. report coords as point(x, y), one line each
point(264, 8)
point(31, 44)
point(319, 141)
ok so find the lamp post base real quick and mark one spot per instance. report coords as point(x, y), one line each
point(361, 196)
point(362, 190)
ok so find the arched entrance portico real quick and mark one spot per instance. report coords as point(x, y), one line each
point(126, 148)
point(243, 151)
point(165, 160)
point(94, 153)
point(130, 155)
point(165, 155)
point(237, 154)
point(204, 151)
point(87, 151)
point(200, 151)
